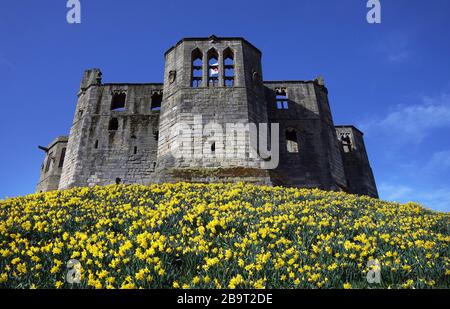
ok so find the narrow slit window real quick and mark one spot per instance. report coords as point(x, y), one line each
point(118, 101)
point(96, 144)
point(213, 147)
point(113, 124)
point(156, 101)
point(228, 65)
point(213, 68)
point(49, 162)
point(61, 159)
point(282, 101)
point(291, 140)
point(197, 68)
point(135, 150)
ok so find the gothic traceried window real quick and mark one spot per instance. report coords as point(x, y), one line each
point(213, 68)
point(228, 64)
point(118, 101)
point(346, 142)
point(282, 100)
point(197, 68)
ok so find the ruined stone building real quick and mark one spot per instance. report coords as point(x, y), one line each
point(121, 132)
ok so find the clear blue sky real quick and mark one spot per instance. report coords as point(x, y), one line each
point(391, 80)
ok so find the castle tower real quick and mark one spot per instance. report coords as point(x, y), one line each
point(309, 150)
point(52, 166)
point(114, 134)
point(359, 174)
point(211, 86)
point(89, 87)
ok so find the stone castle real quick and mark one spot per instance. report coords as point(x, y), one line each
point(123, 133)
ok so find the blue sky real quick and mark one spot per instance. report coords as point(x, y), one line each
point(392, 80)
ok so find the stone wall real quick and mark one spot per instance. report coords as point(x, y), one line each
point(100, 155)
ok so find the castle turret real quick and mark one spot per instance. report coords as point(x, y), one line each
point(89, 87)
point(52, 166)
point(359, 174)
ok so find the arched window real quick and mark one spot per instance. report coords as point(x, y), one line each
point(61, 158)
point(228, 64)
point(118, 101)
point(197, 68)
point(291, 140)
point(156, 101)
point(282, 98)
point(346, 143)
point(113, 124)
point(213, 68)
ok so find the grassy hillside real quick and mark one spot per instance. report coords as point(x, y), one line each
point(219, 236)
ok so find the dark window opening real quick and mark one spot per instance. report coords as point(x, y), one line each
point(213, 68)
point(156, 101)
point(118, 181)
point(197, 68)
point(282, 99)
point(291, 140)
point(228, 64)
point(156, 135)
point(49, 161)
point(118, 101)
point(96, 144)
point(346, 143)
point(135, 150)
point(113, 124)
point(61, 159)
point(213, 147)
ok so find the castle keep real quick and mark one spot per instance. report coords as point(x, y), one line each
point(123, 133)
